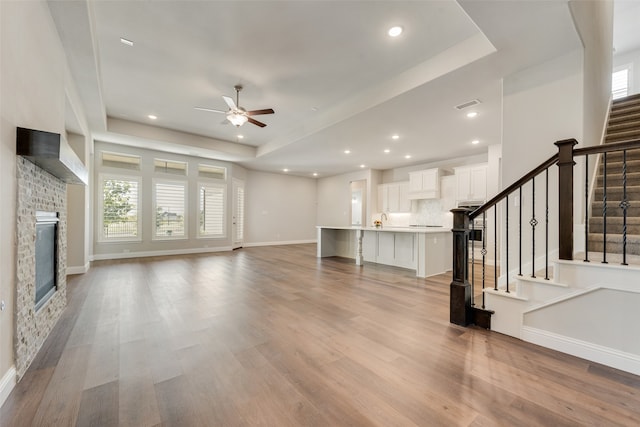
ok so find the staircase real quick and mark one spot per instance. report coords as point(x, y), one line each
point(624, 125)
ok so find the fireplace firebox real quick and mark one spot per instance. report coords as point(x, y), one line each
point(46, 256)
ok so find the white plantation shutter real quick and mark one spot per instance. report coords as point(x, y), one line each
point(240, 214)
point(169, 208)
point(119, 201)
point(620, 83)
point(211, 210)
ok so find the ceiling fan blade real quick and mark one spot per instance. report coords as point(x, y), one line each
point(230, 102)
point(255, 122)
point(258, 112)
point(211, 110)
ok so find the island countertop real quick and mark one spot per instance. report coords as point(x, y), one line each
point(392, 229)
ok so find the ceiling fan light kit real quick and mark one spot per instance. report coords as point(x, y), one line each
point(237, 115)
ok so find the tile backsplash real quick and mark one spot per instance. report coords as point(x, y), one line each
point(423, 212)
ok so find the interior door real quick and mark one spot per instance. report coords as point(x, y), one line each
point(237, 218)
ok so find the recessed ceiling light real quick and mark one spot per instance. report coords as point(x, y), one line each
point(240, 136)
point(387, 151)
point(408, 156)
point(152, 117)
point(125, 41)
point(395, 136)
point(475, 141)
point(362, 166)
point(285, 170)
point(315, 174)
point(347, 151)
point(472, 114)
point(395, 31)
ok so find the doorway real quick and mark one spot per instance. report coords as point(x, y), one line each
point(358, 202)
point(237, 214)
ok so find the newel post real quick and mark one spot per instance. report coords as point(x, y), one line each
point(460, 289)
point(565, 198)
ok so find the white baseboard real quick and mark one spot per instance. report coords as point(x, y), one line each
point(287, 242)
point(144, 254)
point(7, 382)
point(81, 269)
point(596, 353)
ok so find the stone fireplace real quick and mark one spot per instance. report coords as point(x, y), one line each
point(45, 165)
point(38, 191)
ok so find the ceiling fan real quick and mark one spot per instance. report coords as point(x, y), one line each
point(236, 114)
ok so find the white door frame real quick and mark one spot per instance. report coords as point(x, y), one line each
point(237, 219)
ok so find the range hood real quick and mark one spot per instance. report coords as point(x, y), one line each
point(52, 153)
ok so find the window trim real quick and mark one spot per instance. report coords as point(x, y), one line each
point(185, 185)
point(101, 237)
point(217, 184)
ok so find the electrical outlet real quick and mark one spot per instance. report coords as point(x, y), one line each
point(2, 305)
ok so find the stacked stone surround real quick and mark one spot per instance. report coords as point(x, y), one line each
point(37, 191)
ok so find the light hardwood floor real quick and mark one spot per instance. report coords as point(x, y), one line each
point(274, 336)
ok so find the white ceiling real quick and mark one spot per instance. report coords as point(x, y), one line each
point(334, 78)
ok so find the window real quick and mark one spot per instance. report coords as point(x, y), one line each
point(210, 171)
point(119, 201)
point(170, 166)
point(122, 161)
point(211, 208)
point(169, 207)
point(620, 83)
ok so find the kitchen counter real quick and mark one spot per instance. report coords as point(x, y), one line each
point(428, 250)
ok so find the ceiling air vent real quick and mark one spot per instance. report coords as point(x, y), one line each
point(467, 104)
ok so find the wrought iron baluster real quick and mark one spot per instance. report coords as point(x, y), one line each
point(473, 261)
point(495, 247)
point(586, 208)
point(484, 251)
point(520, 231)
point(546, 226)
point(506, 253)
point(624, 205)
point(533, 223)
point(604, 210)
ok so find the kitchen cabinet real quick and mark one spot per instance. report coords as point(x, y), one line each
point(394, 197)
point(471, 183)
point(383, 247)
point(424, 184)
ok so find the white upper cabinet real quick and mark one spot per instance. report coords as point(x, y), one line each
point(424, 184)
point(393, 197)
point(471, 183)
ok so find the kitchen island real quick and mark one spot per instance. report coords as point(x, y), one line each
point(428, 250)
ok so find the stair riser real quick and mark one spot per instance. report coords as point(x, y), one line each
point(613, 228)
point(616, 193)
point(615, 180)
point(621, 137)
point(621, 118)
point(633, 166)
point(625, 125)
point(614, 248)
point(631, 99)
point(616, 156)
point(621, 110)
point(613, 210)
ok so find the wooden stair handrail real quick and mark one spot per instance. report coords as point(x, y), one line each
point(504, 193)
point(606, 148)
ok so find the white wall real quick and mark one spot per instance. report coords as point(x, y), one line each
point(542, 105)
point(594, 23)
point(35, 83)
point(334, 197)
point(279, 208)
